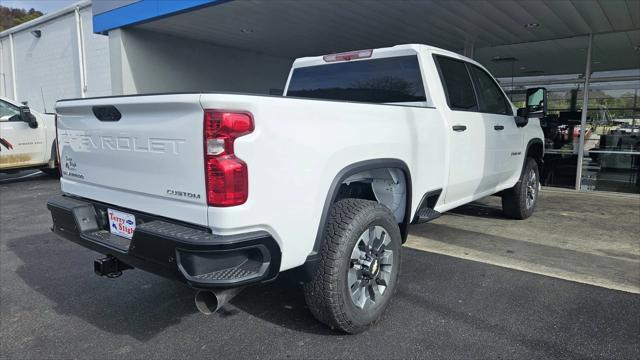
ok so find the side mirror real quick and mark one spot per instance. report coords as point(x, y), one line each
point(521, 118)
point(28, 117)
point(536, 105)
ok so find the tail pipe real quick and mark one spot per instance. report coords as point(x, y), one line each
point(209, 302)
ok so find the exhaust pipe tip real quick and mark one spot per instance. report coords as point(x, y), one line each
point(209, 302)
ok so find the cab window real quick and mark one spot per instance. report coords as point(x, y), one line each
point(7, 111)
point(385, 80)
point(457, 84)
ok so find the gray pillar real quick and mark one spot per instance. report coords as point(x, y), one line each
point(469, 49)
point(583, 119)
point(81, 56)
point(13, 67)
point(121, 81)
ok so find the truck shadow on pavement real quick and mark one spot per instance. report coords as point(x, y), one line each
point(21, 176)
point(477, 209)
point(281, 303)
point(138, 304)
point(141, 304)
point(459, 306)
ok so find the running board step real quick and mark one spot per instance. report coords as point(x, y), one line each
point(106, 238)
point(426, 210)
point(235, 273)
point(427, 214)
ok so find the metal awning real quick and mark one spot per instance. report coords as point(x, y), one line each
point(545, 37)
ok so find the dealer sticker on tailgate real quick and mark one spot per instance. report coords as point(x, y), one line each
point(121, 223)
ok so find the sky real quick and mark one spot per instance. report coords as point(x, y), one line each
point(46, 6)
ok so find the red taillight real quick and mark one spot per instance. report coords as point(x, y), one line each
point(226, 175)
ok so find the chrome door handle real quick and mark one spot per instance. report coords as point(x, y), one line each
point(459, 128)
point(498, 127)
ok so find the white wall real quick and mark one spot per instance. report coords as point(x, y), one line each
point(150, 62)
point(6, 77)
point(48, 68)
point(96, 58)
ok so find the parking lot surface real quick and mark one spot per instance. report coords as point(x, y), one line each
point(53, 306)
point(589, 238)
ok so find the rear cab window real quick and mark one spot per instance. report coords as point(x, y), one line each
point(390, 80)
point(457, 84)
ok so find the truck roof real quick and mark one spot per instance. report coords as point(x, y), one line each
point(397, 50)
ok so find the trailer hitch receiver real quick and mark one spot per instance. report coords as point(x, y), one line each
point(109, 266)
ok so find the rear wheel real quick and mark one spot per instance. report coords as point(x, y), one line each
point(520, 201)
point(359, 266)
point(55, 171)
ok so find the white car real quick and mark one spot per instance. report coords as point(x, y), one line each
point(224, 190)
point(27, 139)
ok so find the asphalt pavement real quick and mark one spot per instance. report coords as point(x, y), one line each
point(53, 306)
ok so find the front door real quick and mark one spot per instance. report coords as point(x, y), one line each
point(508, 148)
point(504, 140)
point(20, 145)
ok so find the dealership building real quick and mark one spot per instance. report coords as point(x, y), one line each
point(151, 46)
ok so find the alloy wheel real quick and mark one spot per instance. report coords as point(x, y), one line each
point(370, 267)
point(532, 188)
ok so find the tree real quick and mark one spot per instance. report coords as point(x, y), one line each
point(10, 17)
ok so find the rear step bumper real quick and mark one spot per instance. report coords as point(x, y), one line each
point(190, 254)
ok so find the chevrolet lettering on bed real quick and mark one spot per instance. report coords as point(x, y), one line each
point(81, 141)
point(222, 191)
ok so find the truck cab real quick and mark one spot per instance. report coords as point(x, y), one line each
point(27, 138)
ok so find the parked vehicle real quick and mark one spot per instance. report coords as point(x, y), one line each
point(27, 139)
point(225, 190)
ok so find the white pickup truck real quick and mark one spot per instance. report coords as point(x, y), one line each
point(27, 139)
point(224, 190)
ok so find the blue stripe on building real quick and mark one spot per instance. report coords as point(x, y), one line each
point(144, 10)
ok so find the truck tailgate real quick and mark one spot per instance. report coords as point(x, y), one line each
point(149, 160)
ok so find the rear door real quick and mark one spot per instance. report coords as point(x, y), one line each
point(468, 163)
point(144, 153)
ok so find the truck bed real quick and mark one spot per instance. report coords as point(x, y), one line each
point(151, 159)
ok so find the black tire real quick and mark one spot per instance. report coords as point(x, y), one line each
point(515, 202)
point(54, 173)
point(329, 295)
